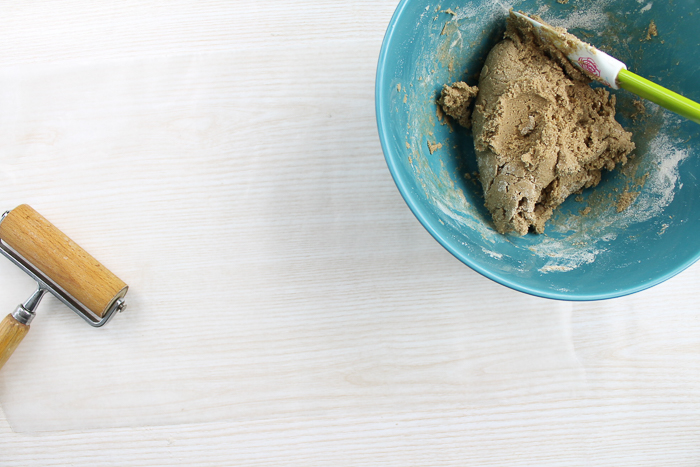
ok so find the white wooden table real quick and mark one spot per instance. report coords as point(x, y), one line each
point(285, 307)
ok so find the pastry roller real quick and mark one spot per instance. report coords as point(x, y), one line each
point(59, 266)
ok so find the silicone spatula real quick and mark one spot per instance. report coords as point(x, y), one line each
point(612, 71)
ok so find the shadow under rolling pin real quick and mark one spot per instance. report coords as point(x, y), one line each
point(59, 266)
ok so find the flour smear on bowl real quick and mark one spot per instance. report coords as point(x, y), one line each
point(664, 157)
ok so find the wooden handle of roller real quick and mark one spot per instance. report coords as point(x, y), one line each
point(11, 334)
point(50, 250)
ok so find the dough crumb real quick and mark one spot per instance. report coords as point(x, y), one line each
point(651, 31)
point(541, 133)
point(563, 2)
point(641, 109)
point(456, 101)
point(626, 199)
point(439, 113)
point(586, 211)
point(432, 147)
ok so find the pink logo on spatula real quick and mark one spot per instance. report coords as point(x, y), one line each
point(589, 65)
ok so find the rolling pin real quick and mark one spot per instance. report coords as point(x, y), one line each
point(59, 266)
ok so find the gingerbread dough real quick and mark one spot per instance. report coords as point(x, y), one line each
point(540, 131)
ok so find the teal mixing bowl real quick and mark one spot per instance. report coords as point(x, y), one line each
point(589, 250)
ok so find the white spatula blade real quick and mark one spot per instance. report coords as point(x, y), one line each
point(596, 62)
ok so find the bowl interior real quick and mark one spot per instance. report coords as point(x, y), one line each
point(589, 249)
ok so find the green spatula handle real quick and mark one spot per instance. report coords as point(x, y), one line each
point(659, 95)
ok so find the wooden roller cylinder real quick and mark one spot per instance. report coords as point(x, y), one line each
point(58, 257)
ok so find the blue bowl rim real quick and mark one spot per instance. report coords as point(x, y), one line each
point(382, 103)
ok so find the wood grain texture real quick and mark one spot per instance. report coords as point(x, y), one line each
point(11, 334)
point(61, 259)
point(286, 308)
